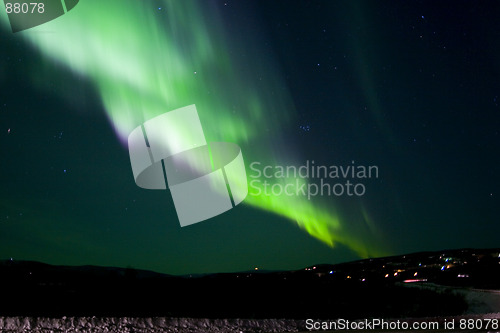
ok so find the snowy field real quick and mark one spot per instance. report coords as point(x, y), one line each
point(185, 325)
point(146, 325)
point(479, 301)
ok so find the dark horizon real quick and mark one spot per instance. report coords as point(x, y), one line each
point(408, 286)
point(253, 270)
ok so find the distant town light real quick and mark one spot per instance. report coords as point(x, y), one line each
point(415, 280)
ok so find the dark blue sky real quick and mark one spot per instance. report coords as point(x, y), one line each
point(412, 87)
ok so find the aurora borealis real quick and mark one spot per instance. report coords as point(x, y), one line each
point(400, 86)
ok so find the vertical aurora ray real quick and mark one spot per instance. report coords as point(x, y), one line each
point(144, 61)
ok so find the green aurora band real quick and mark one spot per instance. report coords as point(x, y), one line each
point(144, 61)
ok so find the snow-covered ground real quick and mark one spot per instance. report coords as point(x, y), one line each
point(187, 325)
point(146, 325)
point(480, 301)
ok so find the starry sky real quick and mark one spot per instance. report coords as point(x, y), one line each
point(410, 87)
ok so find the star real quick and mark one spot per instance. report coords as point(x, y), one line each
point(305, 128)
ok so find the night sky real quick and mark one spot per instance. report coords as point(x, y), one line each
point(412, 87)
